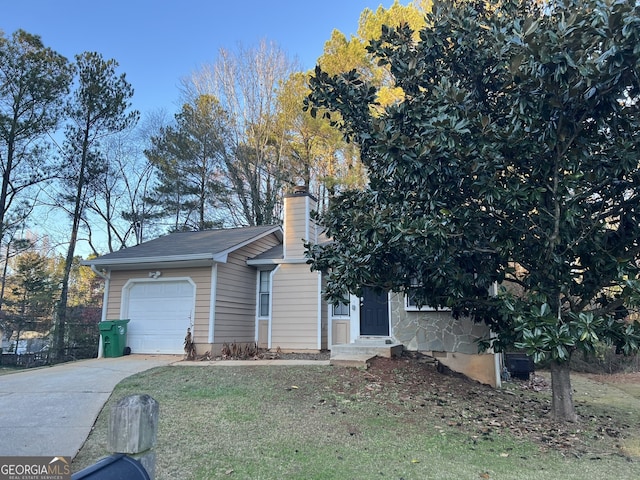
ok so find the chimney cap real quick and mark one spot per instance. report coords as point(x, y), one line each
point(300, 191)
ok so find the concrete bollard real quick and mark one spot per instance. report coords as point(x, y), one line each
point(133, 429)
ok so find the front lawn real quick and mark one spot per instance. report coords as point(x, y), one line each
point(398, 420)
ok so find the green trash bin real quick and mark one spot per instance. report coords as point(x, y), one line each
point(114, 337)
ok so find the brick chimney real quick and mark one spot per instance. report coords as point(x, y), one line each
point(299, 227)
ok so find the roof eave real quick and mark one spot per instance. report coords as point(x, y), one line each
point(194, 259)
point(263, 261)
point(145, 261)
point(277, 230)
point(255, 262)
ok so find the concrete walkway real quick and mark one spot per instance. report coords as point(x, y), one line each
point(50, 411)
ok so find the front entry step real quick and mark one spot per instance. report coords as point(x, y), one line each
point(356, 361)
point(364, 349)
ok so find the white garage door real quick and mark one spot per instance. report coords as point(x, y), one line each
point(160, 313)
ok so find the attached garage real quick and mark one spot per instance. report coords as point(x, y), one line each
point(185, 279)
point(160, 312)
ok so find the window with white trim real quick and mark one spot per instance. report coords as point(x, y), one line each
point(340, 310)
point(410, 304)
point(264, 293)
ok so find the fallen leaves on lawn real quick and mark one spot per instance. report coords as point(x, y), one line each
point(406, 386)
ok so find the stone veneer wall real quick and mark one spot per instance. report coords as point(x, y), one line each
point(434, 331)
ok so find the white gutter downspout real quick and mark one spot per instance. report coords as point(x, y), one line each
point(498, 370)
point(212, 305)
point(105, 298)
point(320, 312)
point(270, 320)
point(497, 364)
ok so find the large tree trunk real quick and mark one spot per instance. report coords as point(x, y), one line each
point(561, 393)
point(60, 319)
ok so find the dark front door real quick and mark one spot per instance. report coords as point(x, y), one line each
point(374, 313)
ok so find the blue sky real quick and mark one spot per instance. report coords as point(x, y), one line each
point(157, 43)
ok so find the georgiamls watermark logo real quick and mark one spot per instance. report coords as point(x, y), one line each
point(35, 468)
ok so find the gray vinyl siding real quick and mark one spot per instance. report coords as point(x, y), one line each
point(235, 295)
point(235, 319)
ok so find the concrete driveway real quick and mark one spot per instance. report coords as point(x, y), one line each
point(50, 411)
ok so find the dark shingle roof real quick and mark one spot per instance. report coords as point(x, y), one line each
point(184, 246)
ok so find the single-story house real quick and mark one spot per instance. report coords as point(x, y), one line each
point(252, 284)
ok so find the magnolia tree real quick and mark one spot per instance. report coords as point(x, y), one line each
point(510, 159)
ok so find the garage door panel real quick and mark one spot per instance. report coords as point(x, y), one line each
point(159, 313)
point(162, 289)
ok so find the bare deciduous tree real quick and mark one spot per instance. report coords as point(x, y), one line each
point(246, 81)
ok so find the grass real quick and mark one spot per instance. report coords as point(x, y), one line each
point(611, 399)
point(274, 422)
point(8, 370)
